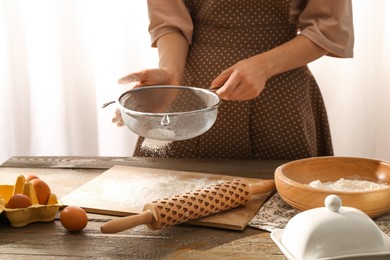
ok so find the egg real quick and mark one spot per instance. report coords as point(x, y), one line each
point(31, 177)
point(42, 190)
point(19, 201)
point(73, 218)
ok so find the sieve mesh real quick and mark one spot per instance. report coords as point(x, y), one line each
point(169, 113)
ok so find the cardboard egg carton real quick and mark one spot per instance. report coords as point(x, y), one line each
point(35, 213)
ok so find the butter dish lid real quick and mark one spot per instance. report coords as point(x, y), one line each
point(332, 232)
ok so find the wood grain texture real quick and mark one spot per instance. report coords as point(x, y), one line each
point(292, 178)
point(52, 241)
point(125, 190)
point(247, 168)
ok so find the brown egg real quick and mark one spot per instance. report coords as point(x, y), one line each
point(42, 190)
point(19, 201)
point(73, 218)
point(31, 177)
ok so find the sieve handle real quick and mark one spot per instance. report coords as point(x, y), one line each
point(108, 103)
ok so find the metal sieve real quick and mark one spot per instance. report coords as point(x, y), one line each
point(169, 113)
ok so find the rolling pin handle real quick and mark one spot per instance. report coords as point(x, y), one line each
point(121, 224)
point(262, 187)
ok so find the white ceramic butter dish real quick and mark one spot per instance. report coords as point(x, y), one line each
point(332, 232)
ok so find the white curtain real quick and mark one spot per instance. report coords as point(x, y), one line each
point(357, 91)
point(60, 60)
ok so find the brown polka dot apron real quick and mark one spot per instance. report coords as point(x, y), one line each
point(286, 121)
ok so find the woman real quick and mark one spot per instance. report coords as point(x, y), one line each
point(256, 52)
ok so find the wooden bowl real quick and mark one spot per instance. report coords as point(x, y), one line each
point(291, 181)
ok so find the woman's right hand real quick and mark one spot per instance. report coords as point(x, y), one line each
point(147, 77)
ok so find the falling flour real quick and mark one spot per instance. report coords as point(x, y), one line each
point(347, 185)
point(158, 146)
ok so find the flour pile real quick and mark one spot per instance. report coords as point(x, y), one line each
point(347, 185)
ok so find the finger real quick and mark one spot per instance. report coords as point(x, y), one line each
point(238, 93)
point(138, 85)
point(151, 77)
point(242, 93)
point(136, 76)
point(229, 87)
point(117, 117)
point(118, 121)
point(220, 79)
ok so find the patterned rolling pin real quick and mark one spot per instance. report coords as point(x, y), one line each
point(191, 205)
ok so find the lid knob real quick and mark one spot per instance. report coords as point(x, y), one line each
point(333, 203)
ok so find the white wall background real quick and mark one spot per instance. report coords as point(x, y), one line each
point(60, 60)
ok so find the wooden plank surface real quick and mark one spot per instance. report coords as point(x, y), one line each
point(52, 241)
point(262, 169)
point(124, 190)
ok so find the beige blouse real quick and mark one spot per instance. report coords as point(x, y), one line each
point(328, 23)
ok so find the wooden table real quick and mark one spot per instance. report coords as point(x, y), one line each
point(52, 241)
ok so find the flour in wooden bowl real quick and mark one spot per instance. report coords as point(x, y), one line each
point(348, 185)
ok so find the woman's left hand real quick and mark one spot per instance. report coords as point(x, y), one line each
point(244, 80)
point(117, 118)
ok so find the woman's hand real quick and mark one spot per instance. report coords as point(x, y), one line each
point(117, 119)
point(149, 77)
point(141, 78)
point(244, 80)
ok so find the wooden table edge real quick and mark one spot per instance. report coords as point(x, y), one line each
point(249, 168)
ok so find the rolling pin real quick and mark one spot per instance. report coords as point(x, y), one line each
point(191, 205)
